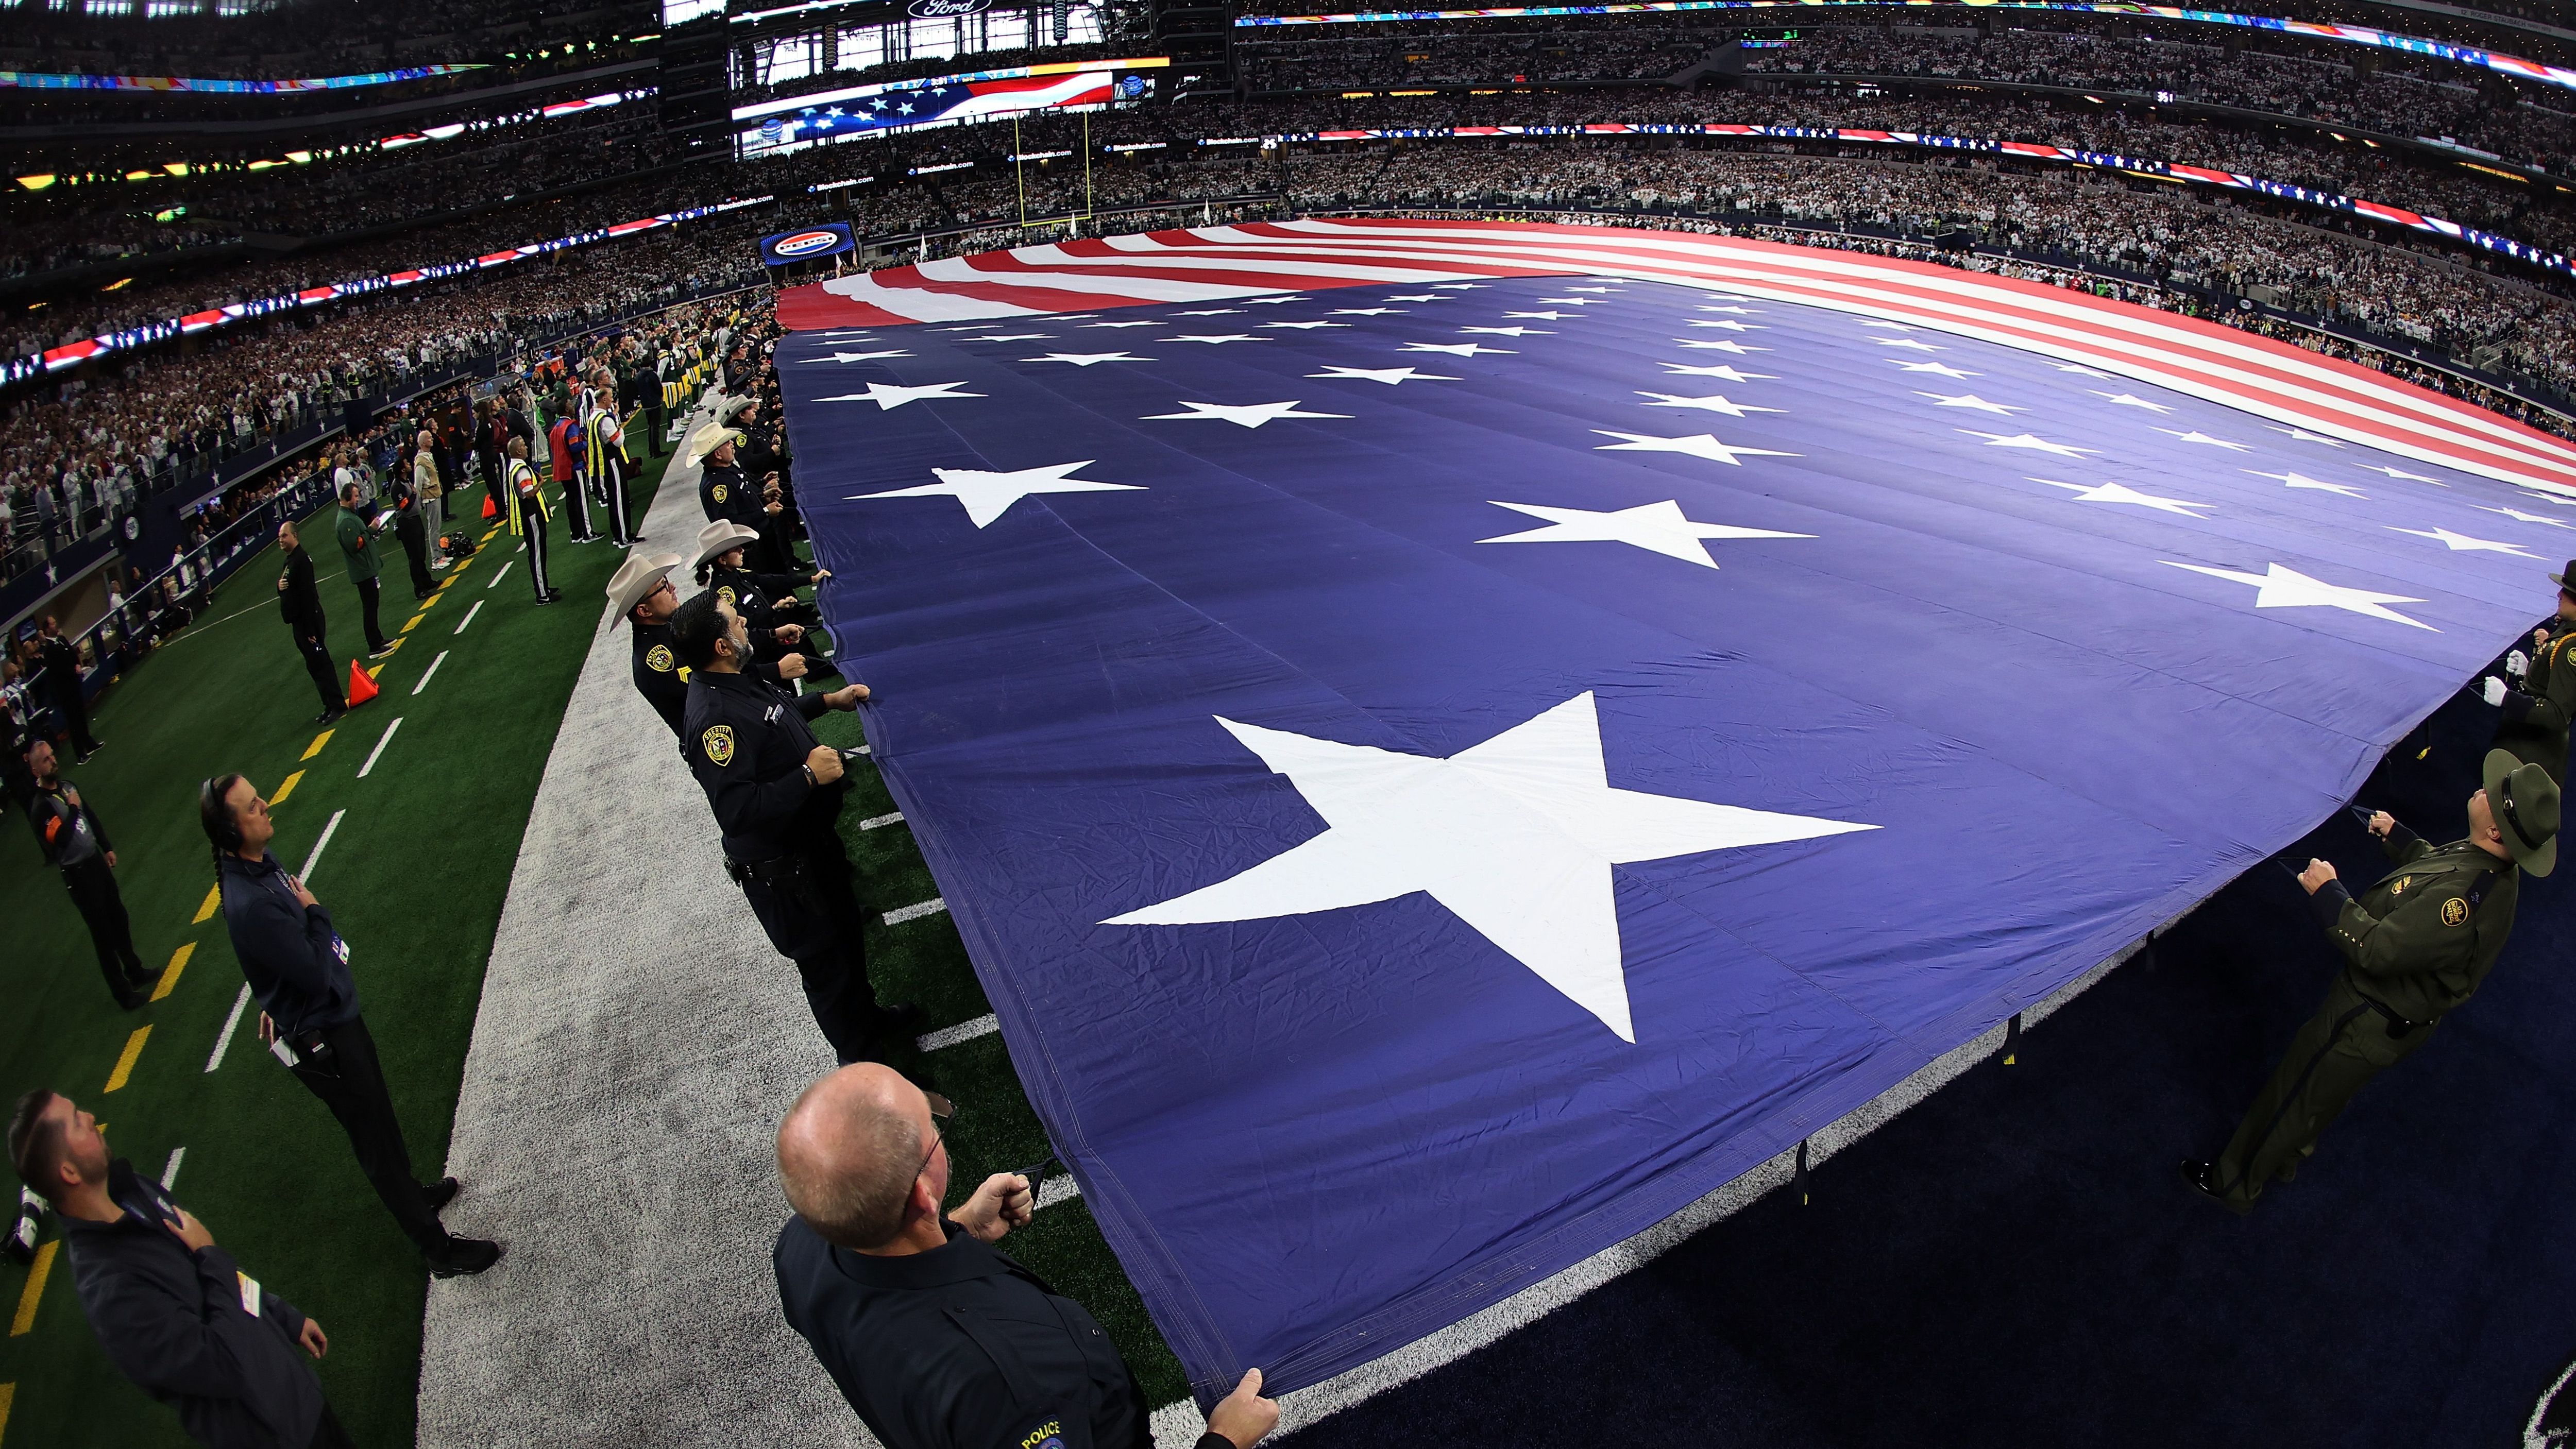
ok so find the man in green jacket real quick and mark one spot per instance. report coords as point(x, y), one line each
point(2538, 706)
point(2415, 947)
point(358, 542)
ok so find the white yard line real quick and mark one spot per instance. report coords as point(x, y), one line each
point(469, 616)
point(503, 574)
point(381, 741)
point(874, 822)
point(328, 830)
point(427, 674)
point(930, 907)
point(170, 1174)
point(949, 1036)
point(215, 1058)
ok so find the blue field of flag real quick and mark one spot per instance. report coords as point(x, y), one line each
point(1436, 778)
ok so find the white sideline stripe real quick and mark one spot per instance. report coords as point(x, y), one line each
point(949, 1036)
point(306, 874)
point(215, 1058)
point(381, 741)
point(1055, 1190)
point(1178, 1426)
point(930, 907)
point(497, 578)
point(469, 616)
point(170, 1174)
point(433, 669)
point(874, 821)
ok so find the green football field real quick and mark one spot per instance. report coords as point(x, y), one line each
point(415, 870)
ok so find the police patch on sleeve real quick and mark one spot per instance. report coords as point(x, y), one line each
point(718, 741)
point(658, 658)
point(1049, 1435)
point(2455, 912)
point(726, 593)
point(716, 491)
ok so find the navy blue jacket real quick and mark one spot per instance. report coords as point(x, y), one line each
point(172, 1320)
point(295, 963)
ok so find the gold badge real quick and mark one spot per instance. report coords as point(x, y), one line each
point(658, 658)
point(717, 491)
point(2455, 911)
point(719, 742)
point(2403, 882)
point(726, 594)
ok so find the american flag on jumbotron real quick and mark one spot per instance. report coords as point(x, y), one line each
point(959, 101)
point(2271, 379)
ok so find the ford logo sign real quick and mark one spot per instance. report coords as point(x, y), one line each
point(940, 9)
point(805, 241)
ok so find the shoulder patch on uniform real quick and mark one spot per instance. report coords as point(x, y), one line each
point(718, 741)
point(2403, 882)
point(658, 658)
point(717, 491)
point(2455, 912)
point(726, 593)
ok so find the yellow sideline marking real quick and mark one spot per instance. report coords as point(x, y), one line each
point(214, 899)
point(30, 1295)
point(432, 601)
point(8, 1393)
point(285, 788)
point(412, 623)
point(170, 973)
point(125, 1061)
point(313, 749)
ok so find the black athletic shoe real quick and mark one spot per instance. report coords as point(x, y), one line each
point(328, 715)
point(2202, 1178)
point(132, 998)
point(554, 595)
point(439, 1195)
point(545, 599)
point(463, 1257)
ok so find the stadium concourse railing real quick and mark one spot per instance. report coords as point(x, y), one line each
point(124, 634)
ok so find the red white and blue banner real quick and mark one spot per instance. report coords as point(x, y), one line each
point(953, 103)
point(806, 244)
point(1447, 743)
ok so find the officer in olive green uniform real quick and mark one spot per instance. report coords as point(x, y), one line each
point(2415, 947)
point(2538, 707)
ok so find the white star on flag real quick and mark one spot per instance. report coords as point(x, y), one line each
point(1516, 837)
point(1971, 400)
point(1738, 311)
point(1242, 415)
point(1511, 331)
point(1729, 326)
point(1086, 359)
point(1462, 286)
point(1714, 402)
point(969, 327)
point(1588, 289)
point(2123, 493)
point(2026, 440)
point(1721, 344)
point(2301, 480)
point(1305, 326)
point(2303, 435)
point(1718, 369)
point(2131, 400)
point(2196, 436)
point(1697, 445)
point(1367, 311)
point(1458, 349)
point(1271, 301)
point(1391, 376)
point(2287, 588)
point(1014, 337)
point(2402, 473)
point(1544, 316)
point(2081, 368)
point(1422, 297)
point(1908, 342)
point(1215, 338)
point(1655, 527)
point(1212, 312)
point(1122, 324)
point(859, 356)
point(987, 495)
point(1569, 301)
point(2519, 516)
point(1942, 368)
point(2462, 543)
point(889, 396)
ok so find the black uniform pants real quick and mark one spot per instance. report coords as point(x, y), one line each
point(532, 522)
point(613, 475)
point(811, 911)
point(317, 662)
point(75, 713)
point(94, 894)
point(351, 1082)
point(415, 541)
point(2333, 1057)
point(576, 489)
point(657, 422)
point(369, 591)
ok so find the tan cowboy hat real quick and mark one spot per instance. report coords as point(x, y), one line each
point(732, 407)
point(2525, 803)
point(720, 537)
point(708, 440)
point(640, 575)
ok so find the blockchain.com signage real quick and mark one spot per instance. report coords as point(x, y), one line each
point(807, 243)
